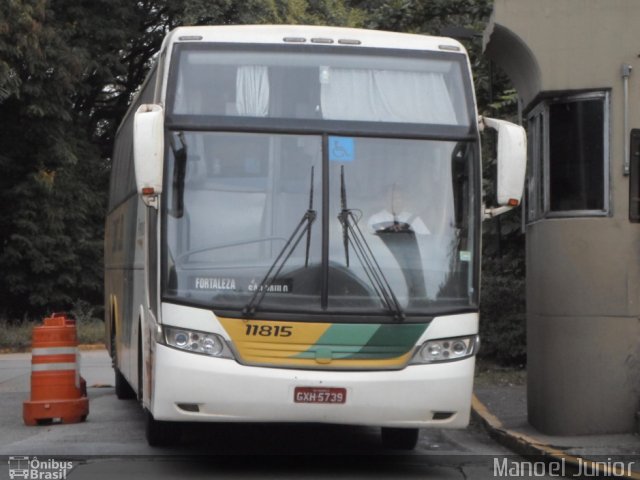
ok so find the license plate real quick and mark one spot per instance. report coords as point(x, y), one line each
point(320, 395)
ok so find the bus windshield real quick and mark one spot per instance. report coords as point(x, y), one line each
point(391, 216)
point(406, 87)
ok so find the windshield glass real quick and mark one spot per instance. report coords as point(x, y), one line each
point(407, 88)
point(398, 220)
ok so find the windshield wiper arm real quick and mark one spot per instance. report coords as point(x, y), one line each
point(353, 235)
point(304, 226)
point(310, 212)
point(344, 213)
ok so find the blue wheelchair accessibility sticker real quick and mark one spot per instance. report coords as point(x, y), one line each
point(341, 149)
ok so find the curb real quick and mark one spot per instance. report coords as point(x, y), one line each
point(527, 445)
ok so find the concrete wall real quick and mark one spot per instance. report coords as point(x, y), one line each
point(577, 43)
point(583, 274)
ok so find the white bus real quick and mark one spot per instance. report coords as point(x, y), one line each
point(294, 230)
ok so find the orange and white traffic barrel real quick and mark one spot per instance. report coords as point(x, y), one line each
point(58, 392)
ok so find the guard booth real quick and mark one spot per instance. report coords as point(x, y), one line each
point(576, 67)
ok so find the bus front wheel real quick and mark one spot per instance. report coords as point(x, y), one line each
point(400, 438)
point(158, 433)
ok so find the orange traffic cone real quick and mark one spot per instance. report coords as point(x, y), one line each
point(58, 392)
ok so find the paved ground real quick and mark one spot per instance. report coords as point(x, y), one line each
point(111, 444)
point(503, 410)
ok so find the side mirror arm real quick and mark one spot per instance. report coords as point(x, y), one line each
point(495, 211)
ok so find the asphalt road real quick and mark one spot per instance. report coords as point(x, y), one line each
point(111, 443)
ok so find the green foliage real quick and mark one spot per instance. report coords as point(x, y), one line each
point(17, 335)
point(41, 237)
point(308, 12)
point(502, 307)
point(423, 16)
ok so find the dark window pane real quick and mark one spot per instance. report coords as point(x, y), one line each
point(535, 168)
point(576, 155)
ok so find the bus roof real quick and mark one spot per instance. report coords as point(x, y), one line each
point(311, 35)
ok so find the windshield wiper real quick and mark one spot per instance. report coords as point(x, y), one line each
point(179, 173)
point(304, 226)
point(352, 234)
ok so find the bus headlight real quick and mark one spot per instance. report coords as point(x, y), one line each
point(446, 350)
point(197, 342)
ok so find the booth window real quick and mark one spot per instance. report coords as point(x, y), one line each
point(568, 157)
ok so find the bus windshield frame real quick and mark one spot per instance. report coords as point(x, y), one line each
point(331, 189)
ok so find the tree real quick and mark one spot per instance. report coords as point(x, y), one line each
point(38, 73)
point(67, 75)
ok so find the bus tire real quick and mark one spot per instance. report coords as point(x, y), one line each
point(123, 389)
point(400, 438)
point(158, 433)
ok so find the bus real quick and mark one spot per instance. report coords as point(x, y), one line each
point(293, 231)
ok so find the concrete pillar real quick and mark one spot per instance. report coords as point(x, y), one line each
point(583, 267)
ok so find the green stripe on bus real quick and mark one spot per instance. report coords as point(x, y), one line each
point(366, 341)
point(344, 340)
point(404, 335)
point(391, 341)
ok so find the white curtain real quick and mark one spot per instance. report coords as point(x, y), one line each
point(252, 91)
point(386, 96)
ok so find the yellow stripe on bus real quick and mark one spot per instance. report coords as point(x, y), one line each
point(279, 344)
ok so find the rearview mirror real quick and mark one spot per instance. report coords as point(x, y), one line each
point(148, 150)
point(512, 164)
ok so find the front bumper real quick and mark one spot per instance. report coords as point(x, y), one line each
point(225, 391)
